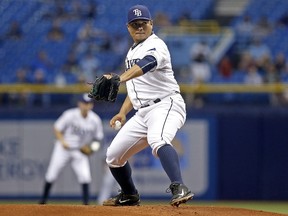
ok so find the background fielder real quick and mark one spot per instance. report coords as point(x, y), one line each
point(75, 128)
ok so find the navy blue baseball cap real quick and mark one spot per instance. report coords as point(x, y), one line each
point(85, 99)
point(138, 12)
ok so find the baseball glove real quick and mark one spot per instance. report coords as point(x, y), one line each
point(91, 148)
point(105, 88)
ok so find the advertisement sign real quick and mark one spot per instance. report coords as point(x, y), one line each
point(26, 147)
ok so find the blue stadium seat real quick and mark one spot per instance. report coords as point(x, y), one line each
point(28, 13)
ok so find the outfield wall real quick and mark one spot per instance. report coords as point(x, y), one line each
point(228, 154)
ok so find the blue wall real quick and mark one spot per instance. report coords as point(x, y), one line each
point(248, 148)
point(252, 152)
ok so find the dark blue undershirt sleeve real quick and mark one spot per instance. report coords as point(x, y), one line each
point(147, 63)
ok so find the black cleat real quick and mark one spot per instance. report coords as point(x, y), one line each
point(181, 194)
point(41, 202)
point(123, 200)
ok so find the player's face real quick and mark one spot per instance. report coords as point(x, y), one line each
point(140, 30)
point(85, 107)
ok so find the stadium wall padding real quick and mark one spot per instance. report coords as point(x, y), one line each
point(247, 154)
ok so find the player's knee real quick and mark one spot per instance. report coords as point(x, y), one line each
point(50, 179)
point(157, 142)
point(113, 161)
point(84, 179)
point(156, 147)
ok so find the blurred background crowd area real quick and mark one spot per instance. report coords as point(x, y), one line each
point(63, 42)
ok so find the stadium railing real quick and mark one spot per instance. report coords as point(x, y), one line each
point(185, 88)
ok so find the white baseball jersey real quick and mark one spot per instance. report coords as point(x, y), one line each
point(78, 130)
point(154, 125)
point(157, 83)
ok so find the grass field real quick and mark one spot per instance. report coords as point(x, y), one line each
point(269, 206)
point(277, 207)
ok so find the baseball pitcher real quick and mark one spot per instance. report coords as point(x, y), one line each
point(154, 93)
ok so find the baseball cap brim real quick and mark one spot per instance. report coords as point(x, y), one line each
point(139, 18)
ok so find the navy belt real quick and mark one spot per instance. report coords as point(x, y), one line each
point(151, 103)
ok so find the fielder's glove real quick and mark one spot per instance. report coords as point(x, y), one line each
point(91, 148)
point(105, 88)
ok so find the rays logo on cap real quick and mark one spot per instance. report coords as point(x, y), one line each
point(137, 12)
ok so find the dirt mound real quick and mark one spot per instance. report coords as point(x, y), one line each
point(145, 210)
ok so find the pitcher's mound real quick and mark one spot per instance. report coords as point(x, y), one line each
point(144, 210)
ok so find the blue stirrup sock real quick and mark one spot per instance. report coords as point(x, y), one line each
point(124, 179)
point(170, 163)
point(46, 192)
point(85, 194)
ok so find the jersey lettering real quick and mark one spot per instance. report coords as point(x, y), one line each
point(77, 130)
point(130, 63)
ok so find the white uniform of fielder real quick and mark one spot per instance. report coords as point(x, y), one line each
point(74, 128)
point(77, 131)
